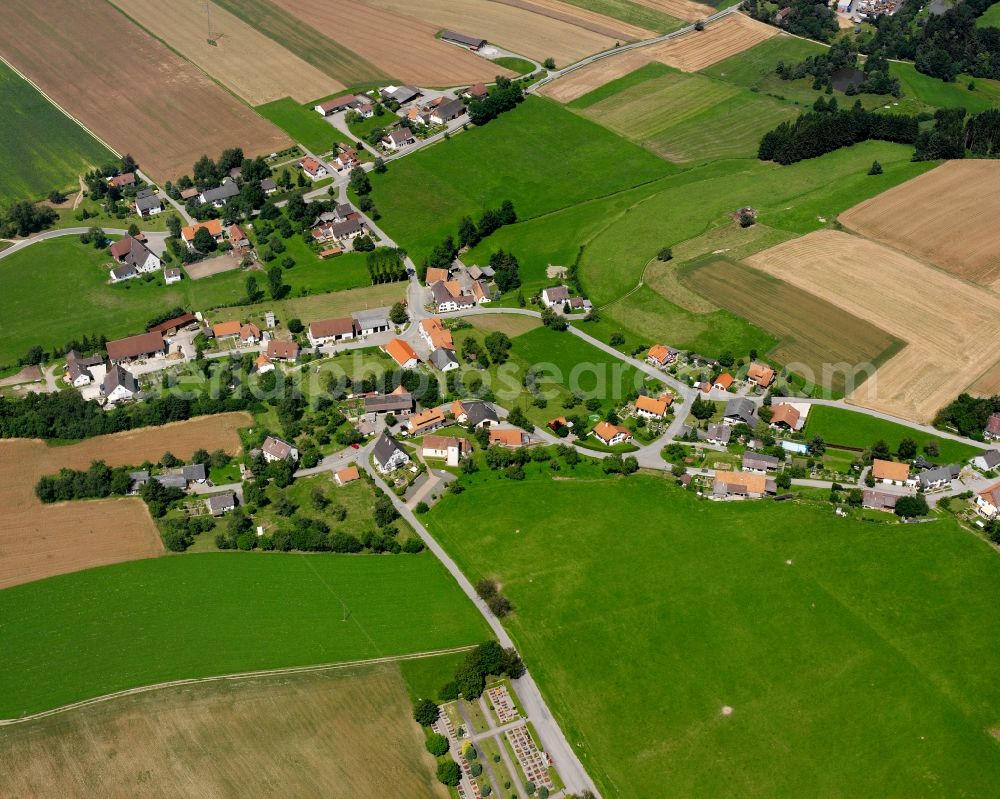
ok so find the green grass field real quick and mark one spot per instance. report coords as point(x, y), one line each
point(686, 117)
point(93, 632)
point(514, 157)
point(638, 14)
point(990, 18)
point(842, 426)
point(864, 668)
point(302, 123)
point(522, 66)
point(305, 41)
point(41, 149)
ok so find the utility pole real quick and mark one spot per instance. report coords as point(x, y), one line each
point(208, 18)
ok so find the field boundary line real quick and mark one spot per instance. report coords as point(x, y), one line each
point(244, 675)
point(52, 102)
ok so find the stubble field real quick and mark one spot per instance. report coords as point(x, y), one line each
point(39, 540)
point(682, 9)
point(248, 62)
point(339, 733)
point(947, 217)
point(581, 81)
point(942, 319)
point(402, 46)
point(732, 34)
point(145, 100)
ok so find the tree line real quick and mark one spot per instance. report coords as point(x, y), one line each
point(968, 414)
point(469, 235)
point(385, 265)
point(503, 96)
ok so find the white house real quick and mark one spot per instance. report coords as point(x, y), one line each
point(367, 323)
point(327, 331)
point(78, 368)
point(134, 258)
point(988, 502)
point(274, 449)
point(172, 275)
point(219, 196)
point(612, 434)
point(388, 455)
point(892, 473)
point(555, 296)
point(119, 385)
point(448, 448)
point(398, 139)
point(314, 169)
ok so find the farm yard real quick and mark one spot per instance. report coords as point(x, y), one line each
point(122, 626)
point(308, 733)
point(685, 117)
point(253, 66)
point(947, 217)
point(403, 47)
point(786, 613)
point(812, 333)
point(39, 540)
point(941, 318)
point(41, 149)
point(161, 109)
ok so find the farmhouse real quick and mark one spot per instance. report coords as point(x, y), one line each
point(756, 462)
point(716, 434)
point(170, 326)
point(992, 430)
point(449, 448)
point(938, 477)
point(78, 368)
point(147, 203)
point(891, 473)
point(984, 461)
point(481, 292)
point(347, 475)
point(313, 168)
point(213, 226)
point(278, 350)
point(510, 437)
point(723, 382)
point(448, 110)
point(119, 385)
point(556, 296)
point(740, 410)
point(398, 139)
point(741, 485)
point(367, 323)
point(143, 345)
point(436, 273)
point(221, 503)
point(219, 196)
point(402, 353)
point(401, 94)
point(275, 449)
point(326, 331)
point(425, 421)
point(988, 502)
point(785, 416)
point(134, 257)
point(472, 42)
point(475, 412)
point(661, 355)
point(447, 297)
point(611, 434)
point(334, 105)
point(650, 408)
point(400, 402)
point(760, 375)
point(878, 500)
point(435, 334)
point(388, 455)
point(443, 359)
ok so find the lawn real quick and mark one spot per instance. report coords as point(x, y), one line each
point(302, 123)
point(314, 275)
point(643, 15)
point(522, 66)
point(41, 149)
point(850, 429)
point(686, 117)
point(855, 656)
point(539, 155)
point(990, 18)
point(93, 632)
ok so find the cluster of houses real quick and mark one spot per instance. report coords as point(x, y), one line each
point(115, 383)
point(338, 228)
point(458, 288)
point(146, 201)
point(181, 478)
point(234, 234)
point(759, 375)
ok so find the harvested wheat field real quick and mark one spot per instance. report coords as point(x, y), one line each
point(988, 385)
point(944, 320)
point(253, 66)
point(512, 26)
point(346, 732)
point(39, 540)
point(403, 46)
point(580, 81)
point(682, 9)
point(947, 216)
point(730, 35)
point(583, 18)
point(144, 99)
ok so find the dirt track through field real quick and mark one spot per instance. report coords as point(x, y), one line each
point(39, 540)
point(403, 46)
point(127, 87)
point(947, 216)
point(310, 734)
point(945, 321)
point(255, 67)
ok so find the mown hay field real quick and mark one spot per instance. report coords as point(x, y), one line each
point(150, 102)
point(253, 66)
point(686, 117)
point(399, 45)
point(39, 540)
point(947, 216)
point(812, 332)
point(943, 320)
point(346, 732)
point(515, 27)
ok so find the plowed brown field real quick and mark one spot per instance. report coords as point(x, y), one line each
point(947, 216)
point(127, 87)
point(945, 321)
point(403, 46)
point(255, 67)
point(39, 540)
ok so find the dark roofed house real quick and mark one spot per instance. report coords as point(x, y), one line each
point(389, 403)
point(129, 251)
point(716, 434)
point(401, 94)
point(472, 42)
point(985, 460)
point(878, 500)
point(194, 473)
point(123, 272)
point(938, 477)
point(268, 186)
point(148, 205)
point(444, 359)
point(78, 367)
point(140, 346)
point(448, 110)
point(388, 455)
point(221, 503)
point(398, 139)
point(740, 409)
point(119, 385)
point(478, 413)
point(172, 480)
point(218, 196)
point(756, 462)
